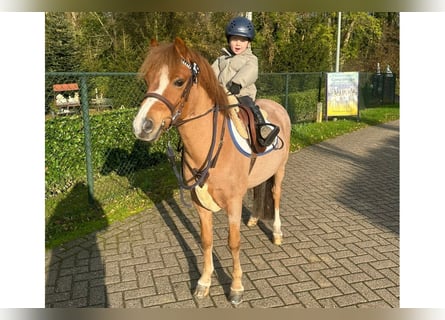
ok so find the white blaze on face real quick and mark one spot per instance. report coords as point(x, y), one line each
point(145, 107)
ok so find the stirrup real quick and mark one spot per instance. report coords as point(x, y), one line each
point(261, 129)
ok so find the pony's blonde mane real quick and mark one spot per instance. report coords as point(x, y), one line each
point(166, 54)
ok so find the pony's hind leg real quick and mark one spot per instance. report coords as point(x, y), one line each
point(263, 203)
point(276, 192)
point(203, 287)
point(253, 221)
point(254, 216)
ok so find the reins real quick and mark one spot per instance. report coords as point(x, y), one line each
point(201, 175)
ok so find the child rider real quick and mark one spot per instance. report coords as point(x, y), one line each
point(237, 71)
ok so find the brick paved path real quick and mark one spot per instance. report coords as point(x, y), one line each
point(340, 217)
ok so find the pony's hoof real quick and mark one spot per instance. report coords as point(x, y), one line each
point(278, 240)
point(252, 222)
point(236, 297)
point(201, 291)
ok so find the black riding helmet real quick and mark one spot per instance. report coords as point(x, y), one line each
point(240, 26)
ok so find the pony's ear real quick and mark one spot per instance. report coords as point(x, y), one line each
point(154, 43)
point(181, 48)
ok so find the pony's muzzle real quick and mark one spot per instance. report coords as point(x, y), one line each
point(148, 129)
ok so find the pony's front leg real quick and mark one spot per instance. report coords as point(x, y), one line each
point(236, 289)
point(203, 287)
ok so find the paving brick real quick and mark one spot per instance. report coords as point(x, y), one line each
point(308, 301)
point(324, 293)
point(206, 302)
point(221, 301)
point(362, 259)
point(259, 262)
point(365, 291)
point(374, 304)
point(349, 265)
point(128, 273)
point(296, 261)
point(391, 275)
point(264, 288)
point(134, 303)
point(80, 289)
point(286, 295)
point(158, 300)
point(133, 261)
point(383, 264)
point(356, 277)
point(320, 279)
point(304, 286)
point(261, 274)
point(342, 285)
point(50, 299)
point(371, 271)
point(314, 266)
point(72, 303)
point(63, 284)
point(348, 300)
point(98, 296)
point(182, 291)
point(122, 286)
point(163, 285)
point(379, 283)
point(139, 293)
point(271, 302)
point(251, 295)
point(388, 297)
point(180, 305)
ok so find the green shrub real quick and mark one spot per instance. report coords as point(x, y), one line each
point(64, 153)
point(301, 106)
point(113, 148)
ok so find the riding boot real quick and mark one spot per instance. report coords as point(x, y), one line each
point(266, 132)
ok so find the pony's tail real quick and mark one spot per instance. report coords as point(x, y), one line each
point(263, 205)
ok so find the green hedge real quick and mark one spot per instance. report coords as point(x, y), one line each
point(302, 106)
point(114, 148)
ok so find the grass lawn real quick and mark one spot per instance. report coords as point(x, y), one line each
point(70, 215)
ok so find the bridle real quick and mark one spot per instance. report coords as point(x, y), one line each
point(193, 79)
point(199, 175)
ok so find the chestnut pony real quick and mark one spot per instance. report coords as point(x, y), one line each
point(183, 92)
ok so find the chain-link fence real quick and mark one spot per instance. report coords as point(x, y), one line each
point(89, 118)
point(88, 132)
point(297, 92)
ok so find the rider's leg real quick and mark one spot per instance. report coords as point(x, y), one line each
point(266, 132)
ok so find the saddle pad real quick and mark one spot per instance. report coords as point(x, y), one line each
point(243, 145)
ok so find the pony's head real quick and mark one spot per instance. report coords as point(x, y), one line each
point(177, 78)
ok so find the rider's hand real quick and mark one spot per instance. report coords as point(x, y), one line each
point(235, 88)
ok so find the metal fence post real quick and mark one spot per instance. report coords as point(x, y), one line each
point(319, 117)
point(87, 134)
point(286, 101)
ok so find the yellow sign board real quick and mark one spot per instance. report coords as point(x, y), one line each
point(342, 94)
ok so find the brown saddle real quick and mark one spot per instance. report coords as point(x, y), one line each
point(247, 117)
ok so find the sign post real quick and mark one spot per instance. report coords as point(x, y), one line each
point(342, 94)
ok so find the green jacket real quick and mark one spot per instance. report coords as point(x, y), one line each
point(241, 69)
